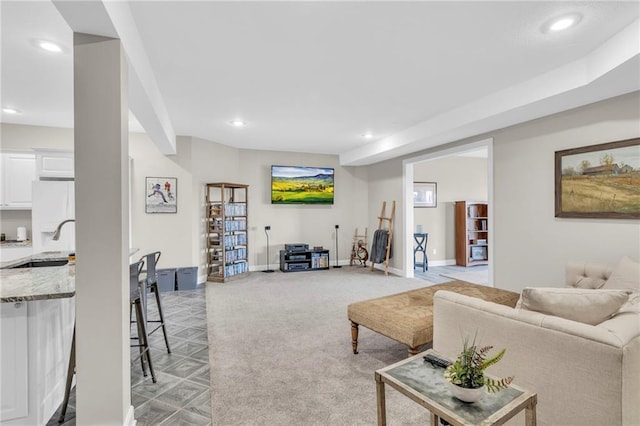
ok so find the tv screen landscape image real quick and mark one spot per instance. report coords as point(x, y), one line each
point(301, 185)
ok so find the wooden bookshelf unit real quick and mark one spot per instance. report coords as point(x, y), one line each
point(226, 233)
point(472, 233)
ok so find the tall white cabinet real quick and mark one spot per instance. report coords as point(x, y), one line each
point(53, 202)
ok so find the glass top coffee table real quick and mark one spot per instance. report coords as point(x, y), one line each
point(423, 383)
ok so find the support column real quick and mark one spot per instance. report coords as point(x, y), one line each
point(102, 222)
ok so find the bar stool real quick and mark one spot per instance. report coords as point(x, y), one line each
point(137, 299)
point(421, 241)
point(138, 302)
point(151, 282)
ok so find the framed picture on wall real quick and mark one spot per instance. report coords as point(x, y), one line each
point(161, 195)
point(599, 181)
point(425, 194)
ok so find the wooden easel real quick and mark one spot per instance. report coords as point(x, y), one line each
point(382, 220)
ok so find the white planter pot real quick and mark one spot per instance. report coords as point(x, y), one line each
point(466, 394)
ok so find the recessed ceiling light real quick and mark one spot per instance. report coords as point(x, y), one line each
point(368, 135)
point(237, 123)
point(8, 110)
point(49, 46)
point(561, 23)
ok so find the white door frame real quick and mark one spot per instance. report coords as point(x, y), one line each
point(407, 199)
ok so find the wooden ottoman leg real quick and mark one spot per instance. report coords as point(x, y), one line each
point(413, 351)
point(354, 337)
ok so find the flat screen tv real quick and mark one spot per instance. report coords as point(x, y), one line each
point(301, 185)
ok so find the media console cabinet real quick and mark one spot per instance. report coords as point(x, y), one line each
point(307, 260)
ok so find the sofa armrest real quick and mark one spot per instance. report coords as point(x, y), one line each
point(552, 356)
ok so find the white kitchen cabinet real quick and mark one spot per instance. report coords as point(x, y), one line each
point(18, 173)
point(55, 164)
point(36, 342)
point(14, 358)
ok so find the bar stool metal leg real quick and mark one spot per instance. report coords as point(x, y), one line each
point(137, 298)
point(151, 282)
point(156, 291)
point(140, 345)
point(70, 372)
point(143, 339)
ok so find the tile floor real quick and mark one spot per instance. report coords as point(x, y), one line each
point(181, 395)
point(433, 273)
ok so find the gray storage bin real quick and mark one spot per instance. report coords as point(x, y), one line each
point(187, 278)
point(166, 279)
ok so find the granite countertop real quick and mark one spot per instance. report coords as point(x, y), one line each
point(25, 284)
point(15, 243)
point(49, 282)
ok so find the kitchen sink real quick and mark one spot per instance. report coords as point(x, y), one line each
point(38, 264)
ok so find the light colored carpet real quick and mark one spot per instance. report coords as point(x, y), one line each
point(280, 350)
point(473, 276)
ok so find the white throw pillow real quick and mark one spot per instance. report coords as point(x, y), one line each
point(577, 304)
point(625, 275)
point(631, 305)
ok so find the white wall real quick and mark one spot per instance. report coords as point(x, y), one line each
point(10, 220)
point(170, 233)
point(531, 245)
point(458, 178)
point(197, 161)
point(385, 185)
point(311, 224)
point(18, 136)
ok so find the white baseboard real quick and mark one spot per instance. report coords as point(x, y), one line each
point(445, 262)
point(395, 271)
point(130, 419)
point(380, 267)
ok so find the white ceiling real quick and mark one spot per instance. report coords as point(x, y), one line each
point(315, 76)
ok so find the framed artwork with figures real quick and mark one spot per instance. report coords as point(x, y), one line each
point(161, 195)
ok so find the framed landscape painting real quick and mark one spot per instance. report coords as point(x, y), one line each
point(599, 181)
point(161, 195)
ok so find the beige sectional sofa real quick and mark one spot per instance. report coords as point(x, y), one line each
point(584, 374)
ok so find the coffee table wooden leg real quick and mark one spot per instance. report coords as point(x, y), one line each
point(354, 337)
point(530, 413)
point(435, 420)
point(382, 409)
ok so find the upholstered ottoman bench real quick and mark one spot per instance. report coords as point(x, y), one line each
point(408, 317)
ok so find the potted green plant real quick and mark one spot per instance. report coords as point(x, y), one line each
point(466, 375)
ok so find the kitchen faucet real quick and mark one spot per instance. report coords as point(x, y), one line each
point(56, 234)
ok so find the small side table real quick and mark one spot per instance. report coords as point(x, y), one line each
point(423, 383)
point(421, 241)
